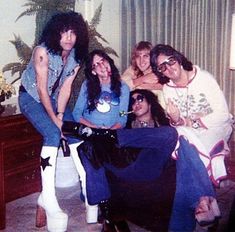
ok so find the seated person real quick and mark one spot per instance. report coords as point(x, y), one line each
point(139, 74)
point(102, 96)
point(198, 112)
point(194, 196)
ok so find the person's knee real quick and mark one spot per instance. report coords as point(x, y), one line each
point(172, 137)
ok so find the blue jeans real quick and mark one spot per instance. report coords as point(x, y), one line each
point(192, 180)
point(37, 115)
point(159, 140)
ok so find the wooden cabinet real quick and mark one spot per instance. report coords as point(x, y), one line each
point(20, 146)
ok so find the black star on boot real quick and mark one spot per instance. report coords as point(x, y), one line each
point(45, 162)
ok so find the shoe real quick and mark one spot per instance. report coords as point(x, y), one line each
point(48, 210)
point(56, 222)
point(122, 226)
point(105, 210)
point(203, 213)
point(108, 227)
point(116, 226)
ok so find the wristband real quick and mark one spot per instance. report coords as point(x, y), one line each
point(59, 113)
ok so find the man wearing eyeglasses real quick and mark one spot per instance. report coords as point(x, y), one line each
point(196, 106)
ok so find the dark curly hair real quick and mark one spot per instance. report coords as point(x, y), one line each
point(93, 83)
point(157, 111)
point(168, 51)
point(61, 22)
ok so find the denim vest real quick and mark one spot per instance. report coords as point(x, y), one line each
point(28, 79)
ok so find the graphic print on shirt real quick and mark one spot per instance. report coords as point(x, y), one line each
point(104, 102)
point(190, 104)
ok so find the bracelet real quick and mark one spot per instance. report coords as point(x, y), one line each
point(59, 113)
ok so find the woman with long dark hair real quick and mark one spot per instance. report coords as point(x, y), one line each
point(101, 99)
point(153, 110)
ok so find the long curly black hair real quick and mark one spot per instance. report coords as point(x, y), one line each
point(93, 83)
point(62, 22)
point(157, 111)
point(168, 51)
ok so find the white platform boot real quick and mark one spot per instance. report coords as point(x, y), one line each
point(91, 210)
point(48, 209)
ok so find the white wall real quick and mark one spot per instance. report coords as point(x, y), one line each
point(24, 27)
point(109, 26)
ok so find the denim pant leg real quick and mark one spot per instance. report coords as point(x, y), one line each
point(162, 139)
point(147, 167)
point(36, 114)
point(69, 117)
point(97, 186)
point(192, 182)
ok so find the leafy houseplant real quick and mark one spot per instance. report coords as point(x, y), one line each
point(44, 9)
point(6, 90)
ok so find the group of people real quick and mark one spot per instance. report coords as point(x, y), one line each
point(162, 105)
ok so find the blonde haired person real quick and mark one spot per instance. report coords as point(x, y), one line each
point(139, 75)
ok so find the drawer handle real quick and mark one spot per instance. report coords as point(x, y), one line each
point(30, 154)
point(32, 176)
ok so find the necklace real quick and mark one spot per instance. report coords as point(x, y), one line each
point(182, 93)
point(141, 124)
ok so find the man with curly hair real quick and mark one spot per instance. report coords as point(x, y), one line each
point(44, 94)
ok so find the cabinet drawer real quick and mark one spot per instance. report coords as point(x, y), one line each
point(16, 126)
point(21, 152)
point(22, 182)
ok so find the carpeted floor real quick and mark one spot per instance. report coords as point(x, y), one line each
point(21, 212)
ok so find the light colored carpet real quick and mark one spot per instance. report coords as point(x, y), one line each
point(20, 214)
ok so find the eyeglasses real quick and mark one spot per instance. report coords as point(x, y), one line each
point(170, 61)
point(99, 64)
point(139, 98)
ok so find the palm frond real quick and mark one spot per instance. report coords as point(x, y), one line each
point(10, 66)
point(14, 68)
point(28, 12)
point(35, 6)
point(109, 50)
point(96, 18)
point(94, 33)
point(23, 50)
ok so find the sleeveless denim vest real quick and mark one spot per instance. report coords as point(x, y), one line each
point(28, 79)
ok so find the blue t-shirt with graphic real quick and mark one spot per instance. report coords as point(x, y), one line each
point(108, 106)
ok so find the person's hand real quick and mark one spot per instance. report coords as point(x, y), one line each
point(172, 111)
point(58, 121)
point(150, 78)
